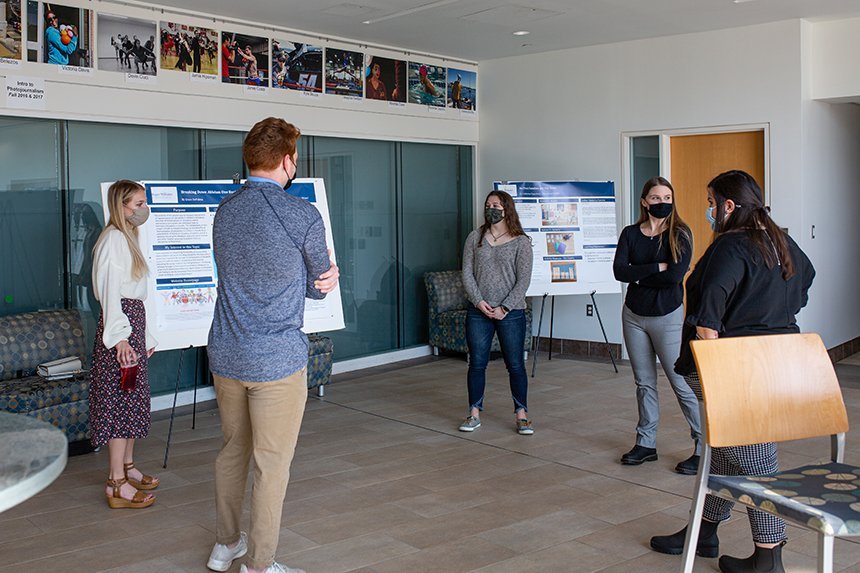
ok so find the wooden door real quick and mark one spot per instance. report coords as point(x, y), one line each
point(696, 159)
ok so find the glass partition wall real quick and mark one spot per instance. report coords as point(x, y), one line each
point(398, 210)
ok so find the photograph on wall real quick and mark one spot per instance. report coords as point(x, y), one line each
point(59, 35)
point(244, 59)
point(563, 272)
point(427, 84)
point(462, 89)
point(126, 45)
point(385, 79)
point(10, 29)
point(559, 243)
point(561, 213)
point(189, 48)
point(343, 72)
point(297, 66)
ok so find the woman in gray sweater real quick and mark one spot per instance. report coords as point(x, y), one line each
point(497, 269)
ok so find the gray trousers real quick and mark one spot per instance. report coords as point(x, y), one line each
point(660, 336)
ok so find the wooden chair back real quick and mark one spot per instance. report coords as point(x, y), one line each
point(771, 388)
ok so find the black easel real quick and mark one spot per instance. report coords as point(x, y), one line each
point(597, 312)
point(175, 395)
point(536, 339)
point(551, 322)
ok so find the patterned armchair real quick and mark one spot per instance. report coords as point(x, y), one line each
point(29, 339)
point(319, 362)
point(447, 304)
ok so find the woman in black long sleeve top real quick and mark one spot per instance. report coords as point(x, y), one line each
point(652, 256)
point(752, 280)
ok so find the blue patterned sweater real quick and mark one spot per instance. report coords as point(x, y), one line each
point(269, 248)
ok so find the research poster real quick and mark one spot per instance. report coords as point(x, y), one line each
point(183, 278)
point(573, 229)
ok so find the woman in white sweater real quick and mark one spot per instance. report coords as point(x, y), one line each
point(120, 408)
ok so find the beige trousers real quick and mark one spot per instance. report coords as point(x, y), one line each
point(259, 419)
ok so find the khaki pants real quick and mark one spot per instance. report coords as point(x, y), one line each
point(260, 419)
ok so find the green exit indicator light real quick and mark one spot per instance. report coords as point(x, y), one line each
point(8, 299)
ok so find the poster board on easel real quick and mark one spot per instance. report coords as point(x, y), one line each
point(574, 233)
point(177, 244)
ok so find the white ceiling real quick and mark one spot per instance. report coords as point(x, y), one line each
point(476, 30)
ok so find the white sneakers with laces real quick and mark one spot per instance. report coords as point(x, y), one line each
point(274, 568)
point(222, 556)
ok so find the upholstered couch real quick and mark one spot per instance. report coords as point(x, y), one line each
point(29, 339)
point(319, 362)
point(447, 304)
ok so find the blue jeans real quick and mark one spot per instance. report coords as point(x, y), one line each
point(479, 337)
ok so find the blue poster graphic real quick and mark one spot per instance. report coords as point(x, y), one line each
point(574, 232)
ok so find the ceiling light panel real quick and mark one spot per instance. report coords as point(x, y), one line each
point(511, 15)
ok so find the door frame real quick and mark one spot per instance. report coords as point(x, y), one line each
point(628, 194)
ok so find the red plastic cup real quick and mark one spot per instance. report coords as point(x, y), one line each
point(128, 377)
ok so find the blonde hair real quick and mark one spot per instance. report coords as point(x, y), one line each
point(118, 195)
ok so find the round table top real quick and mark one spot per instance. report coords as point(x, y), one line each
point(32, 455)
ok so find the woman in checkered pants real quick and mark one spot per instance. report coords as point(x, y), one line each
point(752, 280)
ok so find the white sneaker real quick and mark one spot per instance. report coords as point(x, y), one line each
point(274, 568)
point(222, 556)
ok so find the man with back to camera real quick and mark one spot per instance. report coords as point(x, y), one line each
point(269, 248)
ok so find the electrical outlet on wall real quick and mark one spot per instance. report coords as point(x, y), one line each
point(589, 310)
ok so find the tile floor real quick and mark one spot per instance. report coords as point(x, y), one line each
point(383, 482)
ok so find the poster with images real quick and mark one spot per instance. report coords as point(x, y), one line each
point(126, 45)
point(10, 30)
point(343, 73)
point(59, 35)
point(297, 66)
point(183, 279)
point(462, 89)
point(573, 229)
point(426, 84)
point(188, 49)
point(385, 79)
point(244, 59)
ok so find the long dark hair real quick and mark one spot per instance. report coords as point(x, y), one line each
point(675, 225)
point(751, 217)
point(512, 219)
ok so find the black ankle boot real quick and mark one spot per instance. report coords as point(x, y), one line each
point(708, 545)
point(761, 561)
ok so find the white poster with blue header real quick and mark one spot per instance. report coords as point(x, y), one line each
point(574, 233)
point(183, 279)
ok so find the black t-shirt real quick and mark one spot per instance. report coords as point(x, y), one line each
point(637, 259)
point(732, 291)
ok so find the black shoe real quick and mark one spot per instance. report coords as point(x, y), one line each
point(688, 467)
point(638, 455)
point(708, 545)
point(761, 561)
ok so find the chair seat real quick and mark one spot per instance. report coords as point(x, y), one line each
point(450, 331)
point(34, 393)
point(825, 498)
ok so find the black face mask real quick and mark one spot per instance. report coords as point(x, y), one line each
point(291, 179)
point(660, 210)
point(493, 216)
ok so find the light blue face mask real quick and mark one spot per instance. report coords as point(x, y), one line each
point(709, 215)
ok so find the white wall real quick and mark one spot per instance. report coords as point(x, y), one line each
point(834, 49)
point(831, 201)
point(561, 114)
point(174, 100)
